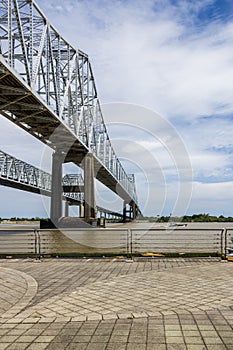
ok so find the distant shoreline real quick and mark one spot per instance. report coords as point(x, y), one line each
point(19, 222)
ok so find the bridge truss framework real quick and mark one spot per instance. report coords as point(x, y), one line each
point(20, 175)
point(47, 87)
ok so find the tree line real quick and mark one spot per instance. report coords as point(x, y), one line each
point(186, 218)
point(191, 218)
point(20, 219)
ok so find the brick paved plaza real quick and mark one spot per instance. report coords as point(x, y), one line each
point(116, 304)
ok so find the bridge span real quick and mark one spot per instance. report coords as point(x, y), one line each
point(47, 88)
point(20, 175)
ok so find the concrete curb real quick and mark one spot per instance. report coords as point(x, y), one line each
point(31, 290)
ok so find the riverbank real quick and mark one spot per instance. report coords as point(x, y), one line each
point(19, 222)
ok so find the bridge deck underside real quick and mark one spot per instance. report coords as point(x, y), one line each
point(24, 187)
point(27, 110)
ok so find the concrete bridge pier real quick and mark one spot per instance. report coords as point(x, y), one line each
point(67, 205)
point(56, 189)
point(130, 212)
point(124, 211)
point(89, 189)
point(81, 210)
point(134, 210)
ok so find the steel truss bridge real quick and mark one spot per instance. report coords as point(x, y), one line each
point(20, 175)
point(47, 88)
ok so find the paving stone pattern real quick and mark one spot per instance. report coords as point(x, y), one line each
point(107, 304)
point(56, 276)
point(17, 289)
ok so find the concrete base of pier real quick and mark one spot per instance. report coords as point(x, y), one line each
point(72, 222)
point(65, 222)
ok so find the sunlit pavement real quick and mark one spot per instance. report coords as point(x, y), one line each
point(103, 304)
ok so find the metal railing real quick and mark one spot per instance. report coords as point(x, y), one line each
point(131, 242)
point(70, 242)
point(18, 242)
point(177, 241)
point(228, 241)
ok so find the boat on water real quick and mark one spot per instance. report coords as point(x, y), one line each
point(178, 225)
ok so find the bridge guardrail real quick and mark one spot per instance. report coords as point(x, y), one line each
point(116, 241)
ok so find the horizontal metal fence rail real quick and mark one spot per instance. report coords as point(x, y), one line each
point(84, 241)
point(18, 242)
point(179, 240)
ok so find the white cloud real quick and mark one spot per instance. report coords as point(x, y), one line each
point(18, 143)
point(213, 198)
point(154, 58)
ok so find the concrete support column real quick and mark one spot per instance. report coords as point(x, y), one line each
point(81, 210)
point(89, 188)
point(56, 190)
point(134, 209)
point(124, 211)
point(67, 209)
point(130, 212)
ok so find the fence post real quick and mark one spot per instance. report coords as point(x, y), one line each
point(226, 233)
point(39, 243)
point(131, 243)
point(127, 243)
point(221, 243)
point(35, 237)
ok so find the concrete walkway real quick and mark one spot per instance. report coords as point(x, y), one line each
point(113, 304)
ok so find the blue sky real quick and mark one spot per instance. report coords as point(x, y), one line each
point(220, 10)
point(171, 57)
